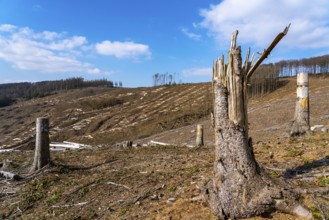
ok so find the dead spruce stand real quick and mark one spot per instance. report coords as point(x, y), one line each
point(239, 188)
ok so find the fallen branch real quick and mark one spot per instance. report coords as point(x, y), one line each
point(7, 150)
point(319, 174)
point(21, 143)
point(48, 168)
point(159, 143)
point(66, 144)
point(10, 175)
point(321, 190)
point(117, 184)
point(67, 206)
point(143, 196)
point(275, 169)
point(73, 168)
point(155, 143)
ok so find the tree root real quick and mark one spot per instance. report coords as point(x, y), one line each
point(266, 200)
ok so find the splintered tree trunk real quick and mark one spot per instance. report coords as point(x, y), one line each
point(238, 188)
point(42, 154)
point(301, 124)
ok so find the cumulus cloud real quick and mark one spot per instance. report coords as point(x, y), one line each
point(46, 51)
point(259, 21)
point(53, 52)
point(126, 49)
point(191, 35)
point(198, 71)
point(7, 27)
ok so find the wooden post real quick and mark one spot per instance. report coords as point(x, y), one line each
point(301, 124)
point(41, 155)
point(199, 136)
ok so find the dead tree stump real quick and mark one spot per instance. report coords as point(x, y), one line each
point(42, 154)
point(199, 136)
point(301, 123)
point(239, 188)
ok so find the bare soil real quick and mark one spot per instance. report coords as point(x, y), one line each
point(107, 182)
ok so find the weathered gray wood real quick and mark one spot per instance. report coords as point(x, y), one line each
point(301, 124)
point(238, 189)
point(42, 154)
point(10, 175)
point(199, 136)
point(267, 51)
point(154, 143)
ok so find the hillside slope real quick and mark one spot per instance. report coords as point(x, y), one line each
point(106, 116)
point(106, 182)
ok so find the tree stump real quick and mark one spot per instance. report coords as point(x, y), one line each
point(41, 154)
point(199, 136)
point(301, 123)
point(239, 188)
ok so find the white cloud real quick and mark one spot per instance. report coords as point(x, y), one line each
point(126, 49)
point(259, 21)
point(199, 71)
point(52, 52)
point(7, 27)
point(94, 71)
point(43, 51)
point(191, 35)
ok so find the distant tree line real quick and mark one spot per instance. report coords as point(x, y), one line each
point(5, 101)
point(10, 92)
point(313, 65)
point(266, 77)
point(163, 79)
point(118, 84)
point(264, 80)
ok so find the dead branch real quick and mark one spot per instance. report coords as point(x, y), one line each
point(73, 168)
point(70, 145)
point(10, 175)
point(21, 143)
point(275, 169)
point(321, 190)
point(268, 51)
point(143, 196)
point(67, 206)
point(158, 143)
point(117, 184)
point(311, 175)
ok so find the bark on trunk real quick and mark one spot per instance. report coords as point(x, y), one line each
point(238, 188)
point(301, 124)
point(42, 154)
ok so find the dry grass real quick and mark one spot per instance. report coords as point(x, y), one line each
point(110, 183)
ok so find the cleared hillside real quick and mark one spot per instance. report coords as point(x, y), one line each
point(106, 116)
point(107, 182)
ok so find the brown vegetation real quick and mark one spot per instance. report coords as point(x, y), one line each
point(153, 182)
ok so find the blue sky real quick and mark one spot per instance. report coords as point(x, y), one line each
point(130, 40)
